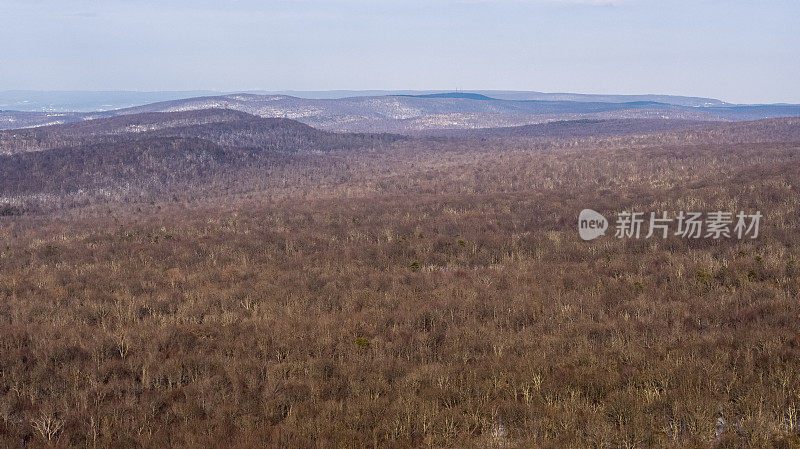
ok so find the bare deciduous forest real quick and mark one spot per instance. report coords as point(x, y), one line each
point(212, 279)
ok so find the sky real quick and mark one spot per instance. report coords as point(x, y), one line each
point(734, 50)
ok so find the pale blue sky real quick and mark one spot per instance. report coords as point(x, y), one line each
point(738, 51)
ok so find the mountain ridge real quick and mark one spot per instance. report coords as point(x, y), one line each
point(90, 101)
point(410, 113)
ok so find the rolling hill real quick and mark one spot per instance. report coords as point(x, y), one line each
point(205, 153)
point(224, 127)
point(160, 154)
point(410, 113)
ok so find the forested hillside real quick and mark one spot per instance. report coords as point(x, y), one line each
point(213, 279)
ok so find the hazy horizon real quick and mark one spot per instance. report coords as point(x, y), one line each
point(734, 51)
point(166, 95)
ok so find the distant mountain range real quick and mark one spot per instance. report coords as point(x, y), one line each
point(406, 112)
point(91, 101)
point(87, 101)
